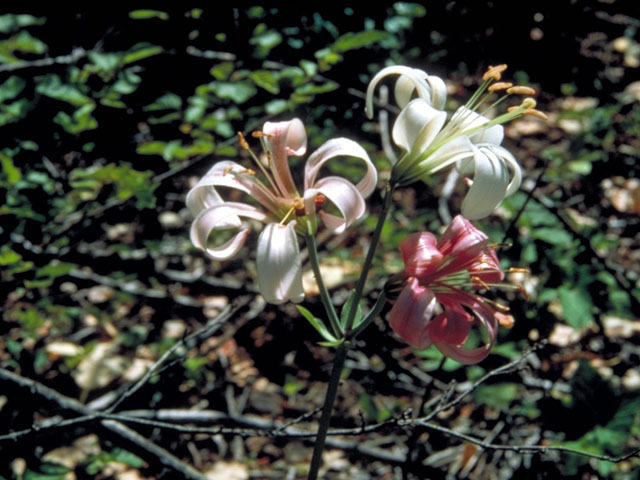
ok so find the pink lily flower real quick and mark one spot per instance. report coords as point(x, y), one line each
point(439, 303)
point(280, 205)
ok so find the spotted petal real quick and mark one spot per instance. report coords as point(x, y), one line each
point(223, 217)
point(279, 264)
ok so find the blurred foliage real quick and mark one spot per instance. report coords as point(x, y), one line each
point(101, 136)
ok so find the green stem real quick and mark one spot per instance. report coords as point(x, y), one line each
point(375, 238)
point(327, 409)
point(371, 316)
point(324, 293)
point(343, 348)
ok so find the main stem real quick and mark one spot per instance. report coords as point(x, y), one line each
point(343, 348)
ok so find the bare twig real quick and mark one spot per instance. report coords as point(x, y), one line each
point(75, 55)
point(69, 404)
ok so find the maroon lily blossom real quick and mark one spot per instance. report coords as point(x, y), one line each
point(439, 301)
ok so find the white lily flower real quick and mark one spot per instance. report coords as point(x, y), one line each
point(468, 140)
point(284, 211)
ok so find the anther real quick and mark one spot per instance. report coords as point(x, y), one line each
point(227, 169)
point(298, 205)
point(480, 282)
point(243, 141)
point(528, 103)
point(500, 86)
point(248, 171)
point(506, 321)
point(518, 270)
point(319, 200)
point(523, 291)
point(494, 72)
point(496, 305)
point(495, 246)
point(259, 134)
point(521, 90)
point(535, 113)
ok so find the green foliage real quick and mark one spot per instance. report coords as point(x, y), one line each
point(316, 323)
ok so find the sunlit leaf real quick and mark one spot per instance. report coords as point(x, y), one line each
point(145, 14)
point(9, 21)
point(11, 88)
point(576, 307)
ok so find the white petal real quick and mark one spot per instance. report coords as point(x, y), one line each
point(223, 217)
point(279, 264)
point(506, 157)
point(467, 119)
point(341, 147)
point(284, 139)
point(344, 195)
point(428, 87)
point(231, 175)
point(417, 121)
point(489, 186)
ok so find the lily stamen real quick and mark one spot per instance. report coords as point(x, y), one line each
point(521, 90)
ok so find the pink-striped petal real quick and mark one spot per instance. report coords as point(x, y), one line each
point(230, 175)
point(284, 139)
point(279, 264)
point(412, 312)
point(345, 197)
point(420, 254)
point(223, 217)
point(341, 147)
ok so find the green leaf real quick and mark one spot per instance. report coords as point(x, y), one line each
point(274, 107)
point(239, 92)
point(500, 395)
point(23, 41)
point(14, 111)
point(316, 323)
point(168, 101)
point(80, 121)
point(51, 86)
point(267, 80)
point(554, 236)
point(346, 308)
point(11, 22)
point(265, 40)
point(141, 51)
point(146, 14)
point(576, 307)
point(8, 256)
point(106, 62)
point(11, 88)
point(222, 70)
point(412, 10)
point(10, 171)
point(352, 40)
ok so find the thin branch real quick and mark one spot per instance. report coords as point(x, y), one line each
point(69, 404)
point(206, 331)
point(75, 55)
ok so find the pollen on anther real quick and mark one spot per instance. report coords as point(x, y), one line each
point(248, 171)
point(500, 86)
point(521, 90)
point(227, 169)
point(535, 113)
point(494, 72)
point(258, 134)
point(243, 141)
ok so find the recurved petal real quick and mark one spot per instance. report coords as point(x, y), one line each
point(489, 187)
point(204, 195)
point(461, 236)
point(417, 121)
point(429, 87)
point(420, 254)
point(506, 157)
point(284, 139)
point(223, 217)
point(412, 312)
point(344, 195)
point(279, 264)
point(341, 147)
point(487, 319)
